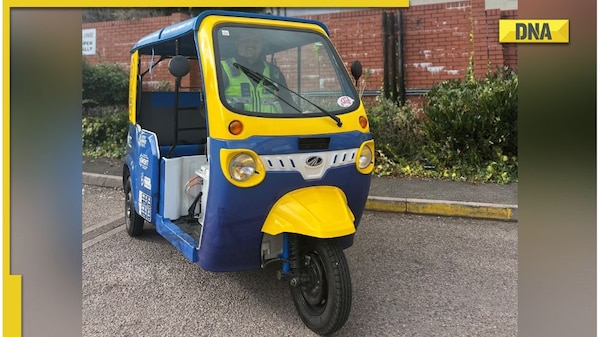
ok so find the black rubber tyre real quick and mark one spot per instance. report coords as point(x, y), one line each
point(134, 223)
point(324, 302)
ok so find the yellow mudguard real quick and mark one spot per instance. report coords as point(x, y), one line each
point(318, 211)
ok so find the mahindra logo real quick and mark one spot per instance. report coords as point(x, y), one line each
point(314, 161)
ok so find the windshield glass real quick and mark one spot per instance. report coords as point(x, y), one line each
point(275, 72)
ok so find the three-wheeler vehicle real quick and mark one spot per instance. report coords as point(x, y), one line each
point(237, 166)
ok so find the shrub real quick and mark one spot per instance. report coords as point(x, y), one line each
point(473, 124)
point(105, 136)
point(395, 129)
point(103, 110)
point(104, 84)
point(469, 132)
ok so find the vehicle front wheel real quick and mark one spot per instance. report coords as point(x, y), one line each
point(134, 223)
point(324, 298)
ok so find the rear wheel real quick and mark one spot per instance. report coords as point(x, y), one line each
point(324, 298)
point(134, 223)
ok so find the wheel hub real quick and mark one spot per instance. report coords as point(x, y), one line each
point(314, 290)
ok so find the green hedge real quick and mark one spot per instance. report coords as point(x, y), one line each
point(104, 84)
point(472, 122)
point(469, 132)
point(104, 110)
point(396, 129)
point(105, 136)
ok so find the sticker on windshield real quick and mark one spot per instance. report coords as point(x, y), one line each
point(345, 101)
point(225, 32)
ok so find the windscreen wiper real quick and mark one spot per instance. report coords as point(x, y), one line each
point(273, 86)
point(337, 120)
point(266, 82)
point(257, 77)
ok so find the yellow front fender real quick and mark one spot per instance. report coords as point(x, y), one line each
point(318, 211)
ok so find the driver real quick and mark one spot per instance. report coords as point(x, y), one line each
point(246, 93)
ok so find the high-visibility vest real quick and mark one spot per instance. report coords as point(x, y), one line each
point(246, 93)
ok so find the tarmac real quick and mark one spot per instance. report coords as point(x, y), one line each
point(387, 194)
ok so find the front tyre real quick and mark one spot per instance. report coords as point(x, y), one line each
point(134, 223)
point(324, 298)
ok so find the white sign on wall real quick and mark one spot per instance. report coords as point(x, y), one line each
point(88, 41)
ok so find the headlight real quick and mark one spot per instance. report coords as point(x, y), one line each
point(242, 167)
point(365, 157)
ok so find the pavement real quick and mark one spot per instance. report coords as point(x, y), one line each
point(387, 194)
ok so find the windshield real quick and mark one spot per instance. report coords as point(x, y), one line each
point(278, 72)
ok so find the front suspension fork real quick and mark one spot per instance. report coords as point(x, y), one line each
point(290, 269)
point(289, 256)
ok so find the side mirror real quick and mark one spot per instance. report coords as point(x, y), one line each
point(179, 66)
point(356, 70)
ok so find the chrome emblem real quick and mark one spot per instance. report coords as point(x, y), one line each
point(314, 161)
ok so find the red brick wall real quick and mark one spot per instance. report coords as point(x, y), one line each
point(115, 39)
point(358, 35)
point(510, 49)
point(436, 41)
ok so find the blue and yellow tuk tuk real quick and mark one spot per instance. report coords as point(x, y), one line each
point(239, 163)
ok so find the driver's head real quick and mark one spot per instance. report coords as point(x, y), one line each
point(249, 45)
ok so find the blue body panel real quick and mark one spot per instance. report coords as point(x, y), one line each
point(234, 216)
point(289, 144)
point(184, 242)
point(142, 158)
point(167, 99)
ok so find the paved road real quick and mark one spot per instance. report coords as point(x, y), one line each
point(412, 276)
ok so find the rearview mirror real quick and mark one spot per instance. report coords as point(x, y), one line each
point(356, 70)
point(179, 66)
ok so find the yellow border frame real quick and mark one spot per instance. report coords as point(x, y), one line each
point(190, 3)
point(12, 284)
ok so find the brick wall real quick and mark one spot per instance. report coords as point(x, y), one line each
point(510, 49)
point(358, 35)
point(115, 39)
point(435, 38)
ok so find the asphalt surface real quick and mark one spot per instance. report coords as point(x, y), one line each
point(412, 275)
point(401, 195)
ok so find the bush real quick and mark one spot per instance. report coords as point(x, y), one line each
point(472, 125)
point(396, 129)
point(104, 84)
point(469, 132)
point(103, 110)
point(105, 136)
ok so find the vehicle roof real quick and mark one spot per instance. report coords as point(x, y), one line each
point(158, 42)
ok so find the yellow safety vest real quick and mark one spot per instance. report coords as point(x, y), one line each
point(242, 91)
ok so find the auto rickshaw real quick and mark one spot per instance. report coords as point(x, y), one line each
point(239, 168)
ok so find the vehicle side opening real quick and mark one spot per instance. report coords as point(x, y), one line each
point(172, 107)
point(158, 116)
point(170, 104)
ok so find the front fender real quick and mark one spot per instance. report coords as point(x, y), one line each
point(318, 211)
